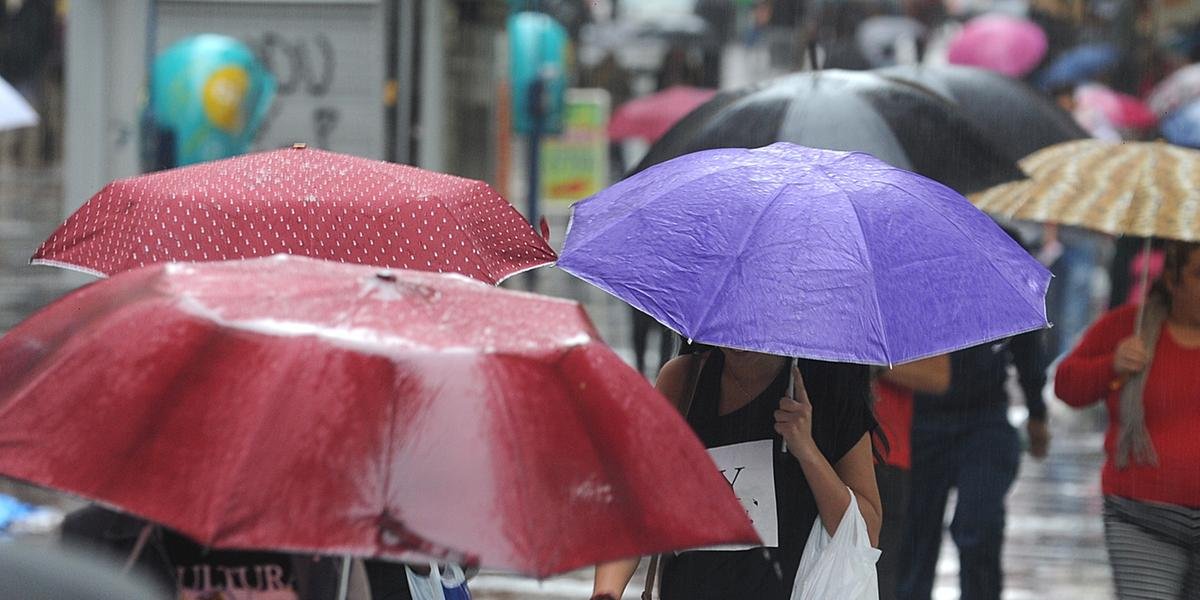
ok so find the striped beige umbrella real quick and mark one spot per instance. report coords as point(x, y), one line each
point(1142, 189)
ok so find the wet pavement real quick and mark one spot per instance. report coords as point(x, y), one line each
point(1054, 548)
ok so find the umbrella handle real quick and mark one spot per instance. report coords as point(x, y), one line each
point(138, 546)
point(791, 392)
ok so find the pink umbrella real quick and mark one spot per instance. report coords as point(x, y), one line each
point(1182, 87)
point(1008, 45)
point(649, 117)
point(1120, 110)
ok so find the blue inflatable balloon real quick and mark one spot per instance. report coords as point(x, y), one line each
point(212, 93)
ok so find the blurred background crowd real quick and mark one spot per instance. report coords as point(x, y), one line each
point(437, 83)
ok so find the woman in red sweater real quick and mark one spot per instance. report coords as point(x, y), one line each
point(1151, 385)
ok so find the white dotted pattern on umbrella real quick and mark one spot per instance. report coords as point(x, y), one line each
point(303, 202)
point(1144, 189)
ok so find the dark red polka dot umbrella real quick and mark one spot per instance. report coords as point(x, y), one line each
point(303, 202)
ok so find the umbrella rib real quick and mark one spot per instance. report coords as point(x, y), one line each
point(641, 206)
point(214, 528)
point(386, 463)
point(487, 265)
point(242, 457)
point(870, 263)
point(973, 242)
point(1149, 168)
point(712, 302)
point(47, 262)
point(510, 421)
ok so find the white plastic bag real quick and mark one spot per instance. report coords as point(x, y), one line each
point(434, 586)
point(841, 567)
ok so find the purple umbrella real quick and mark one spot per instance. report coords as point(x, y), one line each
point(804, 252)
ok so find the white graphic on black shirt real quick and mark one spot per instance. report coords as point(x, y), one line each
point(749, 468)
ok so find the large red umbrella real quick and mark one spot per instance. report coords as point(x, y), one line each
point(649, 117)
point(302, 405)
point(304, 202)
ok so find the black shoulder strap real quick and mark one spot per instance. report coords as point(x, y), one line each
point(696, 364)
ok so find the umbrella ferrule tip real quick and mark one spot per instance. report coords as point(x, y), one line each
point(299, 146)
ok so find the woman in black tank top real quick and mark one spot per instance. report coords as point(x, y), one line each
point(738, 403)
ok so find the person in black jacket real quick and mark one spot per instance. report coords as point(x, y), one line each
point(962, 439)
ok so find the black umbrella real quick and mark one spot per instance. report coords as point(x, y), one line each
point(1013, 116)
point(902, 124)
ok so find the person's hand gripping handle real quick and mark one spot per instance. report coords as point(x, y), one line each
point(793, 420)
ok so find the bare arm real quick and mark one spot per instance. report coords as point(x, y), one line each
point(613, 577)
point(927, 376)
point(828, 483)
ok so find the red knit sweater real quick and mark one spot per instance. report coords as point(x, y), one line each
point(1172, 407)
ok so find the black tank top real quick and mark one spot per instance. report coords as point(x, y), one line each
point(841, 416)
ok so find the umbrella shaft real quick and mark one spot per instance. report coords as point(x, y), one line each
point(791, 392)
point(1145, 275)
point(142, 538)
point(344, 583)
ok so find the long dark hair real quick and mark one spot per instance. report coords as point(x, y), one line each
point(1175, 257)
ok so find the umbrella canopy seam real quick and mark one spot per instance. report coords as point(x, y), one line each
point(394, 407)
point(712, 302)
point(640, 206)
point(471, 239)
point(1071, 184)
point(1150, 166)
point(510, 421)
point(870, 263)
point(975, 243)
point(243, 455)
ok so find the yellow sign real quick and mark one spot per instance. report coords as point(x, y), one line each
point(575, 163)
